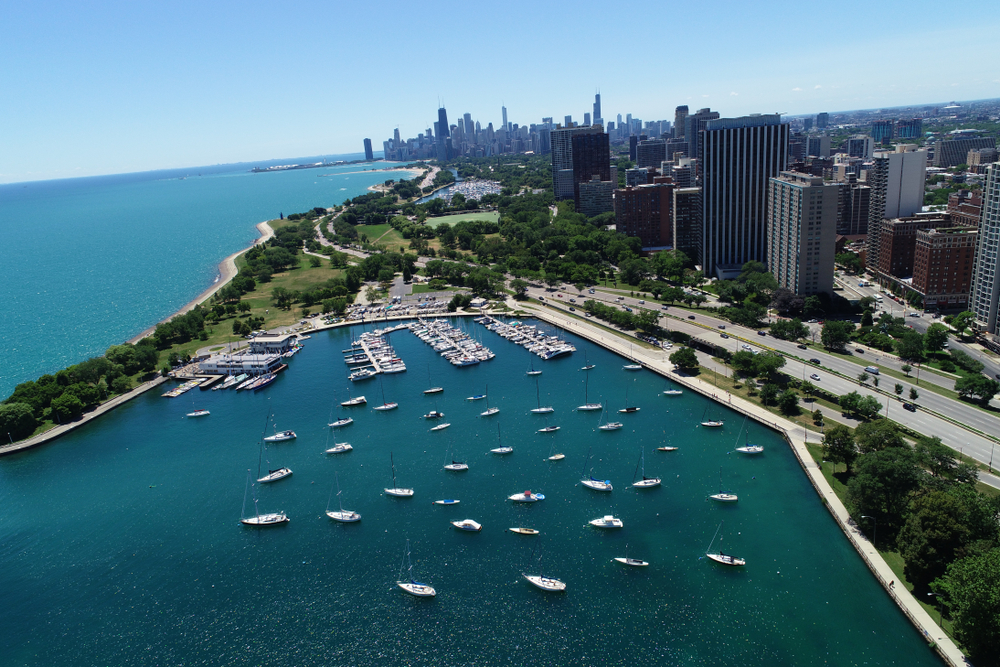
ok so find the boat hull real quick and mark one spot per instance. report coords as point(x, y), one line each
point(545, 583)
point(523, 531)
point(275, 475)
point(417, 589)
point(399, 493)
point(724, 497)
point(340, 448)
point(597, 485)
point(726, 559)
point(262, 520)
point(647, 483)
point(345, 516)
point(632, 562)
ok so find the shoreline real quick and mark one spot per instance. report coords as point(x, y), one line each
point(380, 187)
point(227, 271)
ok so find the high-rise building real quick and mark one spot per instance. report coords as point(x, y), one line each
point(898, 245)
point(979, 158)
point(470, 129)
point(680, 115)
point(801, 232)
point(568, 121)
point(861, 146)
point(737, 158)
point(909, 129)
point(645, 212)
point(687, 222)
point(942, 266)
point(633, 143)
point(818, 146)
point(635, 177)
point(953, 152)
point(441, 133)
point(897, 191)
point(807, 124)
point(369, 155)
point(986, 270)
point(395, 136)
point(965, 207)
point(503, 111)
point(565, 162)
point(586, 118)
point(854, 206)
point(694, 124)
point(882, 131)
point(822, 120)
point(598, 118)
point(442, 126)
point(591, 158)
point(650, 153)
point(596, 196)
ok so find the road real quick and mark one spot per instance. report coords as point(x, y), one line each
point(837, 375)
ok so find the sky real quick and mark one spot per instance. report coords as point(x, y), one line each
point(117, 87)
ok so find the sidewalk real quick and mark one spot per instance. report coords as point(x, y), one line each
point(657, 362)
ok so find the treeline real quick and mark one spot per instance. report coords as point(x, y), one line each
point(922, 502)
point(514, 172)
point(67, 394)
point(646, 320)
point(482, 280)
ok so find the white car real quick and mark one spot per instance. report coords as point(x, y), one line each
point(814, 377)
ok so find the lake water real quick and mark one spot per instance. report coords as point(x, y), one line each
point(121, 542)
point(92, 262)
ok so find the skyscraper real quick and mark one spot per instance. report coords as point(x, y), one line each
point(503, 110)
point(470, 129)
point(897, 191)
point(882, 131)
point(645, 212)
point(738, 156)
point(680, 116)
point(369, 155)
point(586, 118)
point(822, 120)
point(986, 270)
point(598, 118)
point(441, 129)
point(569, 168)
point(801, 232)
point(694, 124)
point(442, 123)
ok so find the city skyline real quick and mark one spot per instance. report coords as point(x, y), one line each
point(123, 88)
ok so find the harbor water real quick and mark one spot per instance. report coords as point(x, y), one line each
point(121, 541)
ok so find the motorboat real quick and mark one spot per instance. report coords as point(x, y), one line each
point(434, 414)
point(468, 524)
point(361, 374)
point(611, 426)
point(607, 521)
point(360, 400)
point(549, 429)
point(526, 497)
point(447, 501)
point(434, 390)
point(523, 531)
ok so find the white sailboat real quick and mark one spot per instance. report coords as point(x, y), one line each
point(385, 404)
point(523, 531)
point(608, 426)
point(553, 455)
point(549, 429)
point(410, 585)
point(587, 365)
point(645, 482)
point(282, 436)
point(455, 466)
point(346, 421)
point(587, 405)
point(710, 423)
point(275, 475)
point(501, 449)
point(719, 556)
point(399, 492)
point(199, 412)
point(628, 409)
point(531, 368)
point(591, 483)
point(541, 581)
point(540, 409)
point(343, 516)
point(431, 390)
point(721, 496)
point(747, 448)
point(340, 448)
point(488, 412)
point(351, 402)
point(631, 562)
point(632, 366)
point(440, 427)
point(258, 520)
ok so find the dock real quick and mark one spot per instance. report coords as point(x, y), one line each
point(529, 337)
point(376, 354)
point(451, 343)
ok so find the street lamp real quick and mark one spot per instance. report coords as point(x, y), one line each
point(875, 532)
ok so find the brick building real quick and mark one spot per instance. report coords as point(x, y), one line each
point(942, 266)
point(645, 212)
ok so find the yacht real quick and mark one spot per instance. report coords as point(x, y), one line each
point(341, 422)
point(607, 521)
point(340, 448)
point(526, 497)
point(281, 436)
point(468, 524)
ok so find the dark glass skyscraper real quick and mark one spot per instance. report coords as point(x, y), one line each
point(369, 155)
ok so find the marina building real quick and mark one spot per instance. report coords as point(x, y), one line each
point(236, 364)
point(272, 343)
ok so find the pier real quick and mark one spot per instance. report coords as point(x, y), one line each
point(529, 337)
point(453, 344)
point(377, 355)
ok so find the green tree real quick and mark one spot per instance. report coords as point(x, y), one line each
point(863, 377)
point(789, 329)
point(767, 364)
point(769, 393)
point(881, 487)
point(934, 531)
point(977, 387)
point(314, 261)
point(973, 586)
point(17, 421)
point(808, 389)
point(836, 334)
point(963, 321)
point(121, 384)
point(877, 435)
point(866, 319)
point(914, 394)
point(839, 446)
point(906, 368)
point(788, 402)
point(67, 407)
point(898, 389)
point(520, 288)
point(911, 347)
point(685, 359)
point(936, 337)
point(744, 363)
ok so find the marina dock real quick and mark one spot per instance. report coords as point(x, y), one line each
point(371, 354)
point(451, 343)
point(529, 337)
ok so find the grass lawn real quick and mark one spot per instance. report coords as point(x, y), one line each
point(454, 218)
point(372, 231)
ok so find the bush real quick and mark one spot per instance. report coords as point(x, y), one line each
point(17, 420)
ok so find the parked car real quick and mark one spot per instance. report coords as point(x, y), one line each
point(591, 291)
point(572, 309)
point(572, 300)
point(722, 326)
point(663, 307)
point(642, 301)
point(859, 350)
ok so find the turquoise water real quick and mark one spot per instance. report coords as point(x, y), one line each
point(92, 262)
point(121, 544)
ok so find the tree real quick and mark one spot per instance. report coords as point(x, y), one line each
point(685, 359)
point(863, 377)
point(789, 329)
point(936, 337)
point(121, 384)
point(808, 389)
point(973, 586)
point(520, 288)
point(767, 364)
point(977, 387)
point(933, 533)
point(963, 321)
point(744, 362)
point(911, 347)
point(839, 446)
point(878, 435)
point(769, 393)
point(881, 486)
point(371, 294)
point(67, 407)
point(836, 334)
point(906, 368)
point(914, 394)
point(788, 402)
point(17, 420)
point(866, 319)
point(898, 389)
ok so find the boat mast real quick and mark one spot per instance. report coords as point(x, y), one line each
point(713, 538)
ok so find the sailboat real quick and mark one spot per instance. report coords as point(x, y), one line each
point(202, 412)
point(548, 429)
point(385, 405)
point(587, 365)
point(346, 421)
point(395, 490)
point(412, 586)
point(627, 410)
point(747, 448)
point(541, 581)
point(351, 402)
point(258, 519)
point(440, 427)
point(281, 436)
point(720, 557)
point(645, 482)
point(608, 426)
point(710, 423)
point(531, 368)
point(501, 449)
point(587, 405)
point(344, 516)
point(553, 455)
point(669, 391)
point(632, 366)
point(631, 562)
point(523, 531)
point(488, 412)
point(595, 484)
point(432, 390)
point(274, 475)
point(455, 465)
point(723, 497)
point(476, 397)
point(540, 409)
point(340, 448)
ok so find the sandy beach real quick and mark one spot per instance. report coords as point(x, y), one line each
point(380, 187)
point(227, 271)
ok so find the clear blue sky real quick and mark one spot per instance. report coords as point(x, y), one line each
point(112, 87)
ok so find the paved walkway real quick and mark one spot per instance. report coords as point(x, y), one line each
point(657, 362)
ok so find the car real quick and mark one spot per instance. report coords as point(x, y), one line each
point(914, 314)
point(572, 300)
point(746, 347)
point(722, 326)
point(859, 350)
point(642, 301)
point(871, 369)
point(627, 309)
point(572, 309)
point(559, 295)
point(814, 361)
point(690, 317)
point(802, 346)
point(590, 291)
point(664, 307)
point(909, 406)
point(761, 333)
point(540, 298)
point(944, 344)
point(587, 314)
point(814, 377)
